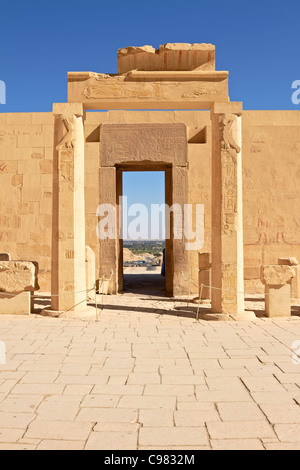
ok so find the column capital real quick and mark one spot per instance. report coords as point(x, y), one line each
point(234, 107)
point(68, 109)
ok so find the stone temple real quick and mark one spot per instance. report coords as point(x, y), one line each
point(166, 110)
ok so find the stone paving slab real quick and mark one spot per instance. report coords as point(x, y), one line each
point(148, 376)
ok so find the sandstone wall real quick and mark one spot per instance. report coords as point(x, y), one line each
point(26, 142)
point(271, 150)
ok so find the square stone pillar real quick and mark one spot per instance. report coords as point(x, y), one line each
point(204, 263)
point(68, 233)
point(227, 210)
point(109, 246)
point(180, 254)
point(90, 268)
point(277, 280)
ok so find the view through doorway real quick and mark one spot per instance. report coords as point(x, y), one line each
point(144, 232)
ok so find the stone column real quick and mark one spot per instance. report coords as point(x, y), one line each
point(227, 210)
point(68, 232)
point(204, 278)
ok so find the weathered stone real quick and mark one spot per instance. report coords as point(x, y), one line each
point(17, 276)
point(277, 275)
point(169, 57)
point(121, 143)
point(288, 261)
point(135, 50)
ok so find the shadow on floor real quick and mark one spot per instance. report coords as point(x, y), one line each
point(145, 284)
point(183, 312)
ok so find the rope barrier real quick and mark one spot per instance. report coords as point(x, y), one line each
point(292, 294)
point(5, 294)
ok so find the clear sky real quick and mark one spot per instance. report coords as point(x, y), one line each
point(146, 189)
point(257, 41)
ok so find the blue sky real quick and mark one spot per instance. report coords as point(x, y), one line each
point(144, 188)
point(257, 41)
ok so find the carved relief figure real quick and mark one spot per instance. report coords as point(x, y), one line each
point(229, 149)
point(67, 142)
point(227, 140)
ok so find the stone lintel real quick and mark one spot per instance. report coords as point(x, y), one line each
point(136, 143)
point(139, 90)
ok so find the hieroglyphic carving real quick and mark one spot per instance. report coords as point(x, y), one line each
point(196, 93)
point(114, 90)
point(121, 143)
point(65, 149)
point(108, 247)
point(180, 196)
point(229, 291)
point(108, 87)
point(229, 151)
point(66, 169)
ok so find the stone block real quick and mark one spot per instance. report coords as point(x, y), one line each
point(277, 280)
point(5, 257)
point(17, 276)
point(19, 304)
point(277, 275)
point(278, 301)
point(168, 57)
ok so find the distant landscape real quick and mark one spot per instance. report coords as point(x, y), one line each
point(141, 247)
point(139, 253)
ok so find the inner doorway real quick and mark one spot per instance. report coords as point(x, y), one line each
point(143, 228)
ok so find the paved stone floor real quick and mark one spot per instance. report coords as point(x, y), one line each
point(148, 376)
